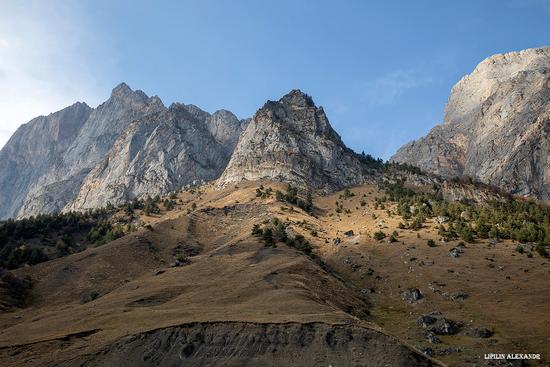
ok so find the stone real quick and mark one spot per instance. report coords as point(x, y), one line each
point(432, 338)
point(412, 295)
point(481, 332)
point(455, 296)
point(425, 321)
point(445, 326)
point(455, 252)
point(427, 351)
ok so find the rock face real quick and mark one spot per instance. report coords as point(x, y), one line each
point(247, 344)
point(291, 141)
point(129, 146)
point(161, 152)
point(34, 151)
point(496, 126)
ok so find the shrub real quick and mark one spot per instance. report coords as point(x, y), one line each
point(379, 235)
point(542, 251)
point(257, 230)
point(431, 243)
point(291, 197)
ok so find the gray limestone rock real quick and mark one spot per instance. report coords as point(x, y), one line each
point(291, 141)
point(496, 127)
point(129, 146)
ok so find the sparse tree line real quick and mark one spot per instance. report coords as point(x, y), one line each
point(520, 220)
point(274, 231)
point(291, 197)
point(45, 236)
point(40, 238)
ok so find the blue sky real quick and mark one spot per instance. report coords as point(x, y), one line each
point(382, 70)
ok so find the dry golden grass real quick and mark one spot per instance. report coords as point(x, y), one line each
point(233, 277)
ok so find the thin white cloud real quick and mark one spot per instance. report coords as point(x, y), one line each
point(44, 67)
point(389, 87)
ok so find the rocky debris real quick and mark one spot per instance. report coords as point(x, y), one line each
point(348, 233)
point(253, 344)
point(447, 351)
point(412, 295)
point(456, 252)
point(481, 332)
point(434, 286)
point(353, 265)
point(441, 219)
point(368, 291)
point(496, 126)
point(180, 260)
point(465, 215)
point(432, 338)
point(291, 141)
point(427, 351)
point(425, 321)
point(455, 296)
point(445, 326)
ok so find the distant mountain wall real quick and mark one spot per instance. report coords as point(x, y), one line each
point(129, 146)
point(496, 126)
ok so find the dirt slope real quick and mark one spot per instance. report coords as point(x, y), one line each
point(242, 297)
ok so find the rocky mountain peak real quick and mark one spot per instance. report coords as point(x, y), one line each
point(296, 110)
point(297, 98)
point(124, 92)
point(292, 141)
point(496, 126)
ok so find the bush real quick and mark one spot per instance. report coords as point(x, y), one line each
point(291, 197)
point(379, 236)
point(300, 244)
point(274, 231)
point(542, 251)
point(431, 243)
point(257, 230)
point(169, 204)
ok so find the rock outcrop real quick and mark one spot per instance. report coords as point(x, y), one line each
point(34, 151)
point(161, 152)
point(496, 126)
point(81, 157)
point(291, 141)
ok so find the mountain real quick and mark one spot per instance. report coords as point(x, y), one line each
point(291, 141)
point(161, 152)
point(33, 151)
point(131, 145)
point(496, 126)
